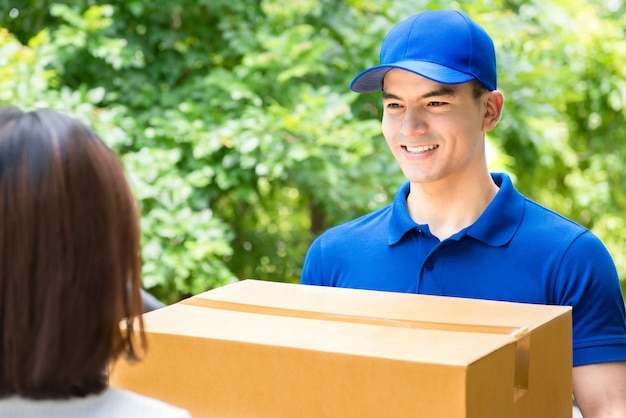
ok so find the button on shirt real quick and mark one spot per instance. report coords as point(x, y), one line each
point(516, 251)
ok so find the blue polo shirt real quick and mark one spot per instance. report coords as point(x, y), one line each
point(516, 251)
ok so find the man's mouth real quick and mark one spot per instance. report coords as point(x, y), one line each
point(422, 148)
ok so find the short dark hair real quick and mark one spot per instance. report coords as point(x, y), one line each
point(69, 257)
point(478, 89)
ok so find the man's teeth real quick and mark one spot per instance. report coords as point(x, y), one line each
point(421, 148)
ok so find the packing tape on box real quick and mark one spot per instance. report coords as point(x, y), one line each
point(520, 334)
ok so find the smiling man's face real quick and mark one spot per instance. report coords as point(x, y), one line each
point(435, 131)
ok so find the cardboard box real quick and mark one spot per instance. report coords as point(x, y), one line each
point(265, 349)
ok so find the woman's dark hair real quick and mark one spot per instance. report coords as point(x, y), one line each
point(69, 257)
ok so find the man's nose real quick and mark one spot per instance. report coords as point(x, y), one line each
point(413, 123)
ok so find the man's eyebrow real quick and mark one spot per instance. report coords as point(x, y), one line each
point(442, 91)
point(387, 95)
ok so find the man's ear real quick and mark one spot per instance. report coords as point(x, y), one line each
point(493, 109)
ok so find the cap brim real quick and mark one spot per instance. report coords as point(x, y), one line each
point(371, 79)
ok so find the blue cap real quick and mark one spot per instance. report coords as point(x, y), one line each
point(445, 46)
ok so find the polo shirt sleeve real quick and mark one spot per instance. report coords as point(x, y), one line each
point(312, 270)
point(587, 280)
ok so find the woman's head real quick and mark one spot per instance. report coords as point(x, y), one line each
point(69, 256)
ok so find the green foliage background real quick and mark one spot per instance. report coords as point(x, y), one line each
point(242, 141)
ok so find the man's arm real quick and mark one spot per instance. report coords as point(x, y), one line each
point(600, 390)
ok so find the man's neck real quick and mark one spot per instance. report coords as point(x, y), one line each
point(449, 205)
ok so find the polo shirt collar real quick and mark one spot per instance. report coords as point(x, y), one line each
point(400, 221)
point(501, 219)
point(495, 227)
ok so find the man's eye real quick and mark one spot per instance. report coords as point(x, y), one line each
point(437, 104)
point(393, 105)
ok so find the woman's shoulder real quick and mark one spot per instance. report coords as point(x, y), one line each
point(137, 405)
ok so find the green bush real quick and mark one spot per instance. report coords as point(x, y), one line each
point(242, 141)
